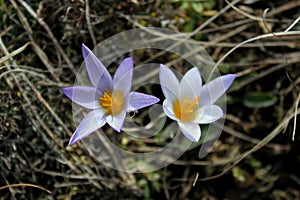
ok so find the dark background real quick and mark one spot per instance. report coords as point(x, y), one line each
point(251, 160)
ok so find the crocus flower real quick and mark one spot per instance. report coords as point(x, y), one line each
point(108, 98)
point(189, 103)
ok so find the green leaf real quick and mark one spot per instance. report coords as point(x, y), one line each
point(254, 163)
point(198, 7)
point(184, 6)
point(238, 174)
point(146, 190)
point(189, 26)
point(209, 5)
point(259, 100)
point(225, 68)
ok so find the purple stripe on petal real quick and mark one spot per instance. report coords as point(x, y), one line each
point(190, 130)
point(168, 109)
point(90, 123)
point(98, 74)
point(214, 89)
point(138, 100)
point(85, 96)
point(116, 122)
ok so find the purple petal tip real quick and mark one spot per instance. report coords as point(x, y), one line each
point(129, 59)
point(230, 78)
point(85, 50)
point(70, 143)
point(73, 139)
point(67, 91)
point(63, 89)
point(155, 100)
point(118, 130)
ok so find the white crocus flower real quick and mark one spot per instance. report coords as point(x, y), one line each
point(189, 103)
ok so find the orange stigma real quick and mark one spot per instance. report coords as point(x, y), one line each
point(185, 110)
point(113, 103)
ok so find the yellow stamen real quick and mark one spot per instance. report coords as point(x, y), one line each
point(185, 110)
point(113, 103)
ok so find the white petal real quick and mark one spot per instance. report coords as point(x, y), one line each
point(90, 123)
point(190, 84)
point(168, 109)
point(123, 76)
point(208, 114)
point(213, 90)
point(116, 122)
point(190, 130)
point(169, 83)
point(85, 96)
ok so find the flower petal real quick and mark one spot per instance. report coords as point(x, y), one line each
point(213, 90)
point(168, 109)
point(169, 83)
point(190, 84)
point(85, 96)
point(90, 123)
point(208, 114)
point(116, 122)
point(190, 130)
point(98, 74)
point(123, 76)
point(139, 100)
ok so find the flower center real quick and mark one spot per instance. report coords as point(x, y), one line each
point(113, 103)
point(185, 110)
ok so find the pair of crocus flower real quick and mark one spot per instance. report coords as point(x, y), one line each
point(187, 102)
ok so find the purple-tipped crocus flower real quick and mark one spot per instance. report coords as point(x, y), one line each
point(108, 98)
point(189, 103)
